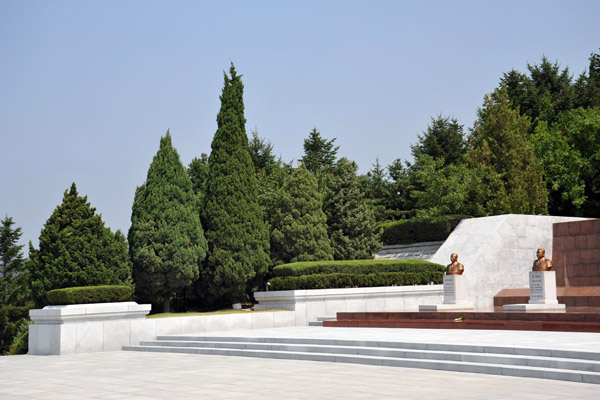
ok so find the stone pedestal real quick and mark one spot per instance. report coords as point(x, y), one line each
point(542, 294)
point(455, 296)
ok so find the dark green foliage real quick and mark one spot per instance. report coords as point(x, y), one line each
point(351, 222)
point(299, 226)
point(587, 88)
point(319, 153)
point(12, 318)
point(198, 171)
point(238, 245)
point(446, 189)
point(444, 139)
point(166, 240)
point(333, 281)
point(543, 94)
point(376, 190)
point(76, 249)
point(90, 294)
point(13, 276)
point(511, 175)
point(20, 343)
point(270, 175)
point(400, 204)
point(419, 230)
point(355, 267)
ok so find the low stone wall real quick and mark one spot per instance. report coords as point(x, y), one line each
point(89, 328)
point(309, 305)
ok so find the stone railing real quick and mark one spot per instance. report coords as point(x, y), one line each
point(88, 328)
point(310, 305)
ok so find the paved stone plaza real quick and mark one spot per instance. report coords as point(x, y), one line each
point(138, 375)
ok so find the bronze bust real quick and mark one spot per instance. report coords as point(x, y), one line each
point(455, 268)
point(542, 263)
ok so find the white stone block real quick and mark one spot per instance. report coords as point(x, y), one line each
point(196, 324)
point(168, 326)
point(261, 321)
point(116, 334)
point(283, 319)
point(240, 321)
point(217, 323)
point(542, 287)
point(142, 329)
point(89, 337)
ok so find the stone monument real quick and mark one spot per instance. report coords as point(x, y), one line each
point(455, 290)
point(542, 288)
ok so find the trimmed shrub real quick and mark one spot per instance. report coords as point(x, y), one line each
point(89, 294)
point(332, 281)
point(355, 267)
point(355, 273)
point(416, 230)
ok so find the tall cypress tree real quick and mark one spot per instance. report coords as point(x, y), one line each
point(76, 249)
point(166, 240)
point(300, 225)
point(351, 222)
point(238, 246)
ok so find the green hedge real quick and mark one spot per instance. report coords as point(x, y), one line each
point(354, 267)
point(339, 280)
point(89, 294)
point(416, 230)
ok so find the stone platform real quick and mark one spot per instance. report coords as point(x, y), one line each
point(563, 322)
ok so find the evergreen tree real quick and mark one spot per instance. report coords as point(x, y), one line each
point(351, 222)
point(543, 94)
point(319, 153)
point(12, 265)
point(198, 171)
point(444, 139)
point(166, 240)
point(375, 189)
point(587, 87)
point(76, 249)
point(300, 225)
point(238, 245)
point(400, 204)
point(512, 175)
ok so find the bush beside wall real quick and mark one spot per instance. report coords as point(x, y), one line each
point(89, 294)
point(355, 273)
point(416, 230)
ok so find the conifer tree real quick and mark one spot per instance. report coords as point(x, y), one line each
point(12, 265)
point(319, 153)
point(238, 245)
point(166, 240)
point(511, 174)
point(76, 249)
point(351, 222)
point(300, 225)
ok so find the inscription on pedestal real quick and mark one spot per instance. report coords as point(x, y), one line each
point(536, 286)
point(542, 287)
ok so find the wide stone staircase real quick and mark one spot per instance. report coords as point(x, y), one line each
point(577, 366)
point(416, 251)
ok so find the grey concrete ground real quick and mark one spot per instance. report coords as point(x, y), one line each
point(139, 375)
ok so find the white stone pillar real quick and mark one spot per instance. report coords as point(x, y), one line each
point(542, 287)
point(455, 296)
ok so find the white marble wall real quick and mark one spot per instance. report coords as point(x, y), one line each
point(88, 328)
point(309, 305)
point(498, 252)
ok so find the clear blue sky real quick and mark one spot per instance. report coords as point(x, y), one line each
point(87, 88)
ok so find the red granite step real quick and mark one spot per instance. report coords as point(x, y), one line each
point(566, 322)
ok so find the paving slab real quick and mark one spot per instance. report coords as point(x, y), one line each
point(142, 375)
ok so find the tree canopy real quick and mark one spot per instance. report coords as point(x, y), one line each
point(166, 240)
point(76, 249)
point(238, 245)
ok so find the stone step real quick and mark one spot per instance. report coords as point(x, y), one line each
point(477, 361)
point(505, 359)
